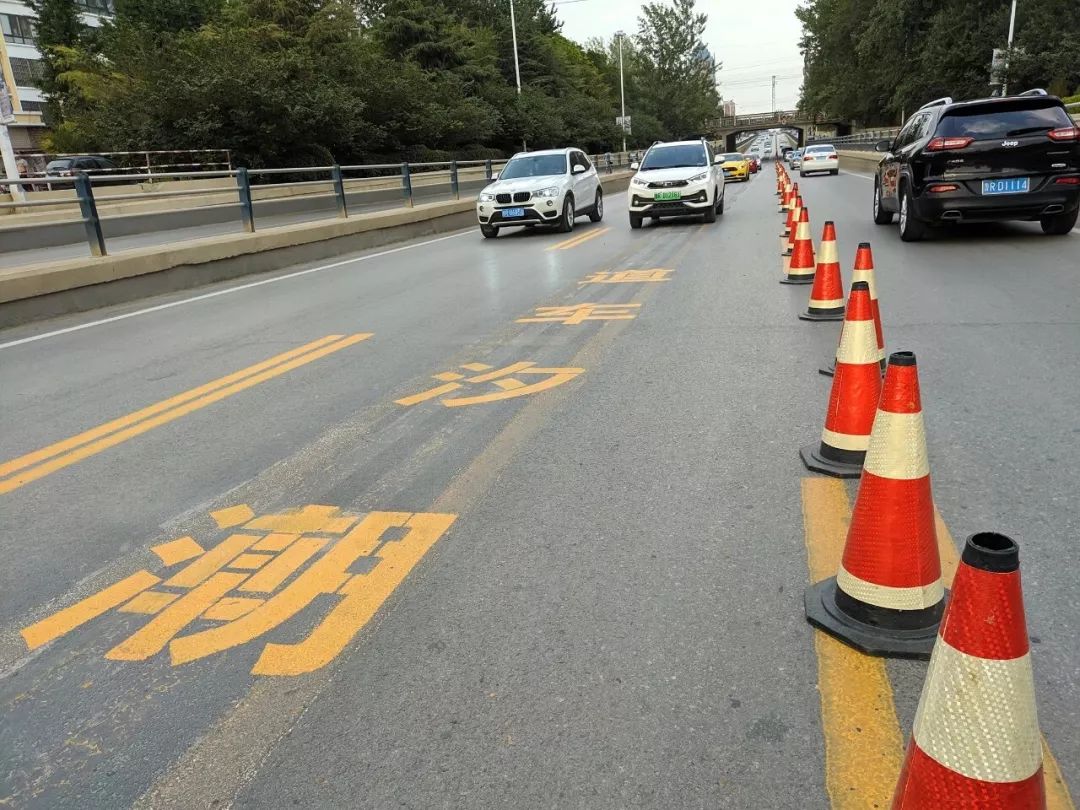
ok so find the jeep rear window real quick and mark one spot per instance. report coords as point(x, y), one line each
point(1008, 123)
point(675, 157)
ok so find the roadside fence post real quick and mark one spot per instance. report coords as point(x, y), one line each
point(406, 184)
point(610, 169)
point(243, 187)
point(487, 169)
point(91, 220)
point(455, 188)
point(339, 191)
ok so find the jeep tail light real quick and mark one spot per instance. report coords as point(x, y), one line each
point(940, 188)
point(1067, 181)
point(948, 144)
point(1064, 134)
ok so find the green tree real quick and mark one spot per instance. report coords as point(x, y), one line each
point(58, 27)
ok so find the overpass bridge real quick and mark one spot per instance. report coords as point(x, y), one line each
point(731, 128)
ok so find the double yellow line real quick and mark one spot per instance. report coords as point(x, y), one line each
point(574, 241)
point(22, 470)
point(864, 746)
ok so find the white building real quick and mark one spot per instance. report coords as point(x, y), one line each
point(21, 65)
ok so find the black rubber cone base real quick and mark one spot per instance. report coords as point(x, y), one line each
point(873, 639)
point(815, 462)
point(797, 280)
point(822, 315)
point(829, 370)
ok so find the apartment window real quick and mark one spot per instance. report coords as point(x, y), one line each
point(96, 6)
point(27, 72)
point(17, 30)
point(33, 106)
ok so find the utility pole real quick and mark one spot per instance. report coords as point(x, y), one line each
point(774, 93)
point(622, 86)
point(1012, 31)
point(517, 64)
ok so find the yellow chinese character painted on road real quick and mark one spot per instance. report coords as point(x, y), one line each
point(503, 378)
point(628, 276)
point(579, 313)
point(258, 578)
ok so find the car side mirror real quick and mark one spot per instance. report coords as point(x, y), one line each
point(494, 176)
point(635, 166)
point(579, 169)
point(883, 146)
point(718, 160)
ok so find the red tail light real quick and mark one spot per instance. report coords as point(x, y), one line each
point(948, 144)
point(808, 158)
point(942, 187)
point(1065, 134)
point(1067, 181)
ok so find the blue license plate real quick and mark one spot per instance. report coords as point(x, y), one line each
point(1013, 185)
point(513, 213)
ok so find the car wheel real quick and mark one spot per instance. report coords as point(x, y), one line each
point(710, 213)
point(597, 213)
point(881, 216)
point(489, 231)
point(635, 221)
point(1059, 224)
point(911, 229)
point(566, 221)
point(720, 207)
point(802, 173)
point(834, 172)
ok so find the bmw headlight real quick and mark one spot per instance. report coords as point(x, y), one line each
point(698, 178)
point(486, 197)
point(550, 191)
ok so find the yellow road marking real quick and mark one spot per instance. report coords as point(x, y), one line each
point(40, 463)
point(81, 612)
point(864, 746)
point(574, 241)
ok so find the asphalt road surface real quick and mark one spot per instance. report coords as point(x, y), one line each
point(588, 593)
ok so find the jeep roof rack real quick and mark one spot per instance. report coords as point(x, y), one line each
point(937, 102)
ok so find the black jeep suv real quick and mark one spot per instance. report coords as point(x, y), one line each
point(1016, 157)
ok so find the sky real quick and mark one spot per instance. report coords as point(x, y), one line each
point(754, 41)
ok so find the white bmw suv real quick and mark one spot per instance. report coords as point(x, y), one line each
point(676, 180)
point(553, 187)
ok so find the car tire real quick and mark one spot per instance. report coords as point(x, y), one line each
point(881, 216)
point(802, 173)
point(911, 229)
point(635, 221)
point(489, 231)
point(566, 220)
point(1059, 224)
point(597, 212)
point(834, 172)
point(710, 213)
point(720, 207)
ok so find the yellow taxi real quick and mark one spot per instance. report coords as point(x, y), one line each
point(736, 166)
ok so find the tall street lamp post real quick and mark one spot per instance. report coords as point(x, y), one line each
point(622, 86)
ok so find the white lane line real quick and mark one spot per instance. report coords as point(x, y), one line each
point(216, 293)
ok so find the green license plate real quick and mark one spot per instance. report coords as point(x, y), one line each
point(668, 195)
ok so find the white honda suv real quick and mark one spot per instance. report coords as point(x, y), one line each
point(541, 188)
point(676, 180)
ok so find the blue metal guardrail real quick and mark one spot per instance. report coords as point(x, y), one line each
point(84, 183)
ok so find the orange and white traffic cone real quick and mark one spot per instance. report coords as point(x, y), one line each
point(887, 598)
point(827, 296)
point(787, 243)
point(785, 197)
point(864, 271)
point(799, 267)
point(976, 740)
point(853, 400)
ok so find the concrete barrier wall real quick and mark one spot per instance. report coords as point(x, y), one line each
point(860, 162)
point(44, 291)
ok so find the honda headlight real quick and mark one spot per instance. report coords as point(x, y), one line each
point(698, 178)
point(550, 191)
point(486, 196)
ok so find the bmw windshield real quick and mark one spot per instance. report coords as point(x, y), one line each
point(534, 166)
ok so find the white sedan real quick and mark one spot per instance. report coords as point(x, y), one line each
point(819, 158)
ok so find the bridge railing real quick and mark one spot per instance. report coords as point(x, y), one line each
point(860, 141)
point(340, 190)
